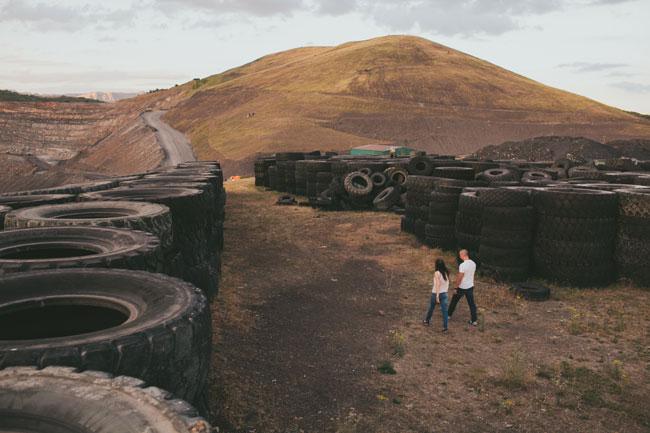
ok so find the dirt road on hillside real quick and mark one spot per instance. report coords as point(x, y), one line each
point(313, 303)
point(174, 143)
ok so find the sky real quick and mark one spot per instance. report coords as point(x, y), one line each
point(596, 48)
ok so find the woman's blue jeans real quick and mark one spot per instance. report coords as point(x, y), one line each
point(443, 306)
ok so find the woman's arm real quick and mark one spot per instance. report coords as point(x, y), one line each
point(436, 283)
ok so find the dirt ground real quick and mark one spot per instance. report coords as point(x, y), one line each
point(317, 309)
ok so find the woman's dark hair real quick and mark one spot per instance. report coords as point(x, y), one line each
point(442, 268)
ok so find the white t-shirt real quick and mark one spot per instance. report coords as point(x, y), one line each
point(467, 268)
point(444, 284)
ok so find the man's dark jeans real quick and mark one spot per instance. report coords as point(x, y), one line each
point(469, 294)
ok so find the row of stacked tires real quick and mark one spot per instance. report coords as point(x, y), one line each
point(524, 220)
point(105, 322)
point(339, 181)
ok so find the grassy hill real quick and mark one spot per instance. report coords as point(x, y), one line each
point(394, 89)
point(11, 96)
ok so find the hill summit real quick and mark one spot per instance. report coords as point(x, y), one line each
point(394, 89)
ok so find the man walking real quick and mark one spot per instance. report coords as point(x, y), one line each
point(465, 286)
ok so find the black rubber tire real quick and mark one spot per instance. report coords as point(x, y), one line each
point(378, 180)
point(501, 238)
point(75, 318)
point(358, 184)
point(468, 241)
point(469, 223)
point(4, 210)
point(420, 166)
point(504, 197)
point(536, 176)
point(531, 291)
point(462, 173)
point(576, 229)
point(407, 225)
point(387, 198)
point(638, 228)
point(194, 214)
point(498, 174)
point(505, 273)
point(21, 201)
point(509, 218)
point(78, 247)
point(573, 202)
point(422, 184)
point(396, 175)
point(634, 202)
point(468, 202)
point(504, 257)
point(584, 172)
point(149, 217)
point(62, 400)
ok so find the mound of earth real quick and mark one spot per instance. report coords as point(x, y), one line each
point(549, 149)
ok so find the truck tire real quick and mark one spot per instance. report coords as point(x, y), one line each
point(78, 247)
point(123, 322)
point(61, 400)
point(21, 201)
point(149, 217)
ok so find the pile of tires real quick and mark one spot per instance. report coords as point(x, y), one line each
point(87, 282)
point(418, 196)
point(469, 221)
point(574, 240)
point(633, 237)
point(507, 230)
point(194, 255)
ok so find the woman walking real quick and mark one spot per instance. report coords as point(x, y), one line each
point(439, 293)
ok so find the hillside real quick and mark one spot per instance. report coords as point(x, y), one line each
point(394, 89)
point(9, 95)
point(399, 89)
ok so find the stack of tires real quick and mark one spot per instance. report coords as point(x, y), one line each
point(633, 237)
point(262, 171)
point(507, 230)
point(468, 223)
point(314, 167)
point(418, 195)
point(194, 255)
point(300, 176)
point(81, 289)
point(574, 240)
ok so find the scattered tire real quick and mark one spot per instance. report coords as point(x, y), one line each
point(358, 184)
point(60, 399)
point(531, 291)
point(78, 247)
point(387, 198)
point(420, 166)
point(378, 180)
point(139, 324)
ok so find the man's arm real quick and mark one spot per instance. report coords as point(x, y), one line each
point(459, 278)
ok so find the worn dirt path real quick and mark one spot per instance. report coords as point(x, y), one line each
point(174, 143)
point(312, 303)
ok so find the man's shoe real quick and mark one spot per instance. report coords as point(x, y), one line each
point(425, 323)
point(445, 330)
point(473, 323)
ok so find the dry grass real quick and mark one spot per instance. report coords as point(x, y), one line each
point(391, 89)
point(578, 362)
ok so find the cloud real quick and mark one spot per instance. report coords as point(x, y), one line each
point(445, 17)
point(47, 16)
point(632, 87)
point(260, 8)
point(592, 66)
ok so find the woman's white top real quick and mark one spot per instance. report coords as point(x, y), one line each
point(444, 284)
